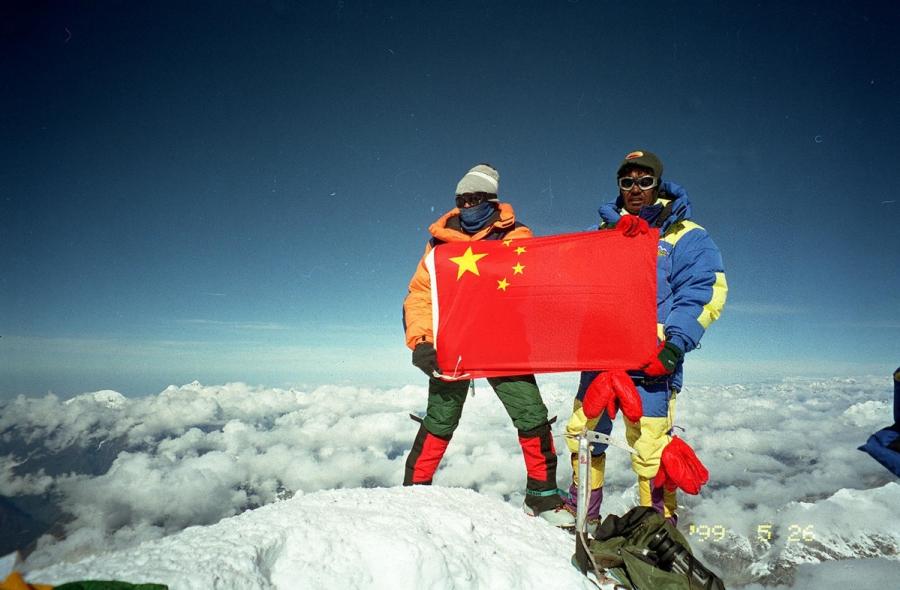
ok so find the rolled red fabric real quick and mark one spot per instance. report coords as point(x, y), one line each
point(681, 468)
point(609, 391)
point(632, 225)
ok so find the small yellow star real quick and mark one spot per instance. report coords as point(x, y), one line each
point(467, 262)
point(517, 269)
point(502, 284)
point(520, 249)
point(507, 242)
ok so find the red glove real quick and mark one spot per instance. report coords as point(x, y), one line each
point(611, 390)
point(632, 225)
point(680, 468)
point(663, 361)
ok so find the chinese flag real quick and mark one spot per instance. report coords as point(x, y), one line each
point(569, 302)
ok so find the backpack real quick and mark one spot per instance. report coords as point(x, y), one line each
point(643, 551)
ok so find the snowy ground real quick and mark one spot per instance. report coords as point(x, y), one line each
point(788, 488)
point(384, 538)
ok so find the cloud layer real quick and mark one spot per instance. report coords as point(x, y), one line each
point(787, 483)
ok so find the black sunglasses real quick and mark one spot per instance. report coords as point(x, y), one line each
point(470, 199)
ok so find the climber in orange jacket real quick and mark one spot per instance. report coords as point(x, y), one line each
point(479, 215)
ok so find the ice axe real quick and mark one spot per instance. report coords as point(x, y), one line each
point(583, 559)
point(584, 462)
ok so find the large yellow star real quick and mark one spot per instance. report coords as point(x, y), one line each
point(467, 262)
point(518, 269)
point(502, 284)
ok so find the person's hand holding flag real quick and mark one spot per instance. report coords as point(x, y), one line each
point(632, 225)
point(664, 360)
point(424, 357)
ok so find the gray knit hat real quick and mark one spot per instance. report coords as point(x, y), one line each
point(482, 178)
point(644, 159)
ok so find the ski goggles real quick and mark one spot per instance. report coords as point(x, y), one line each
point(470, 199)
point(645, 183)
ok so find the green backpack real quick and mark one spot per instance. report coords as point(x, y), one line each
point(643, 551)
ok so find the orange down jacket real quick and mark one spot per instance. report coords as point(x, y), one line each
point(417, 305)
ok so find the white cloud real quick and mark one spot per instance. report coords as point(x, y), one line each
point(30, 483)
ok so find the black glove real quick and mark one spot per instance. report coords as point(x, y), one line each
point(663, 361)
point(425, 358)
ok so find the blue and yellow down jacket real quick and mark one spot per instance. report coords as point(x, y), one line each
point(690, 277)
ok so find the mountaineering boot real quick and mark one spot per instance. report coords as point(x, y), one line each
point(541, 494)
point(664, 502)
point(593, 509)
point(426, 454)
point(558, 517)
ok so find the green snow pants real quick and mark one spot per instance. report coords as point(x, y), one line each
point(519, 394)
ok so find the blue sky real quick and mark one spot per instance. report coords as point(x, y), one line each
point(241, 192)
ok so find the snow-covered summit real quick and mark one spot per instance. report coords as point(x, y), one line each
point(106, 397)
point(422, 537)
point(380, 538)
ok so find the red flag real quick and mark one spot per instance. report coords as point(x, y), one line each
point(569, 302)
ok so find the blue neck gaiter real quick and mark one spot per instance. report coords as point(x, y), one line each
point(474, 218)
point(650, 213)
